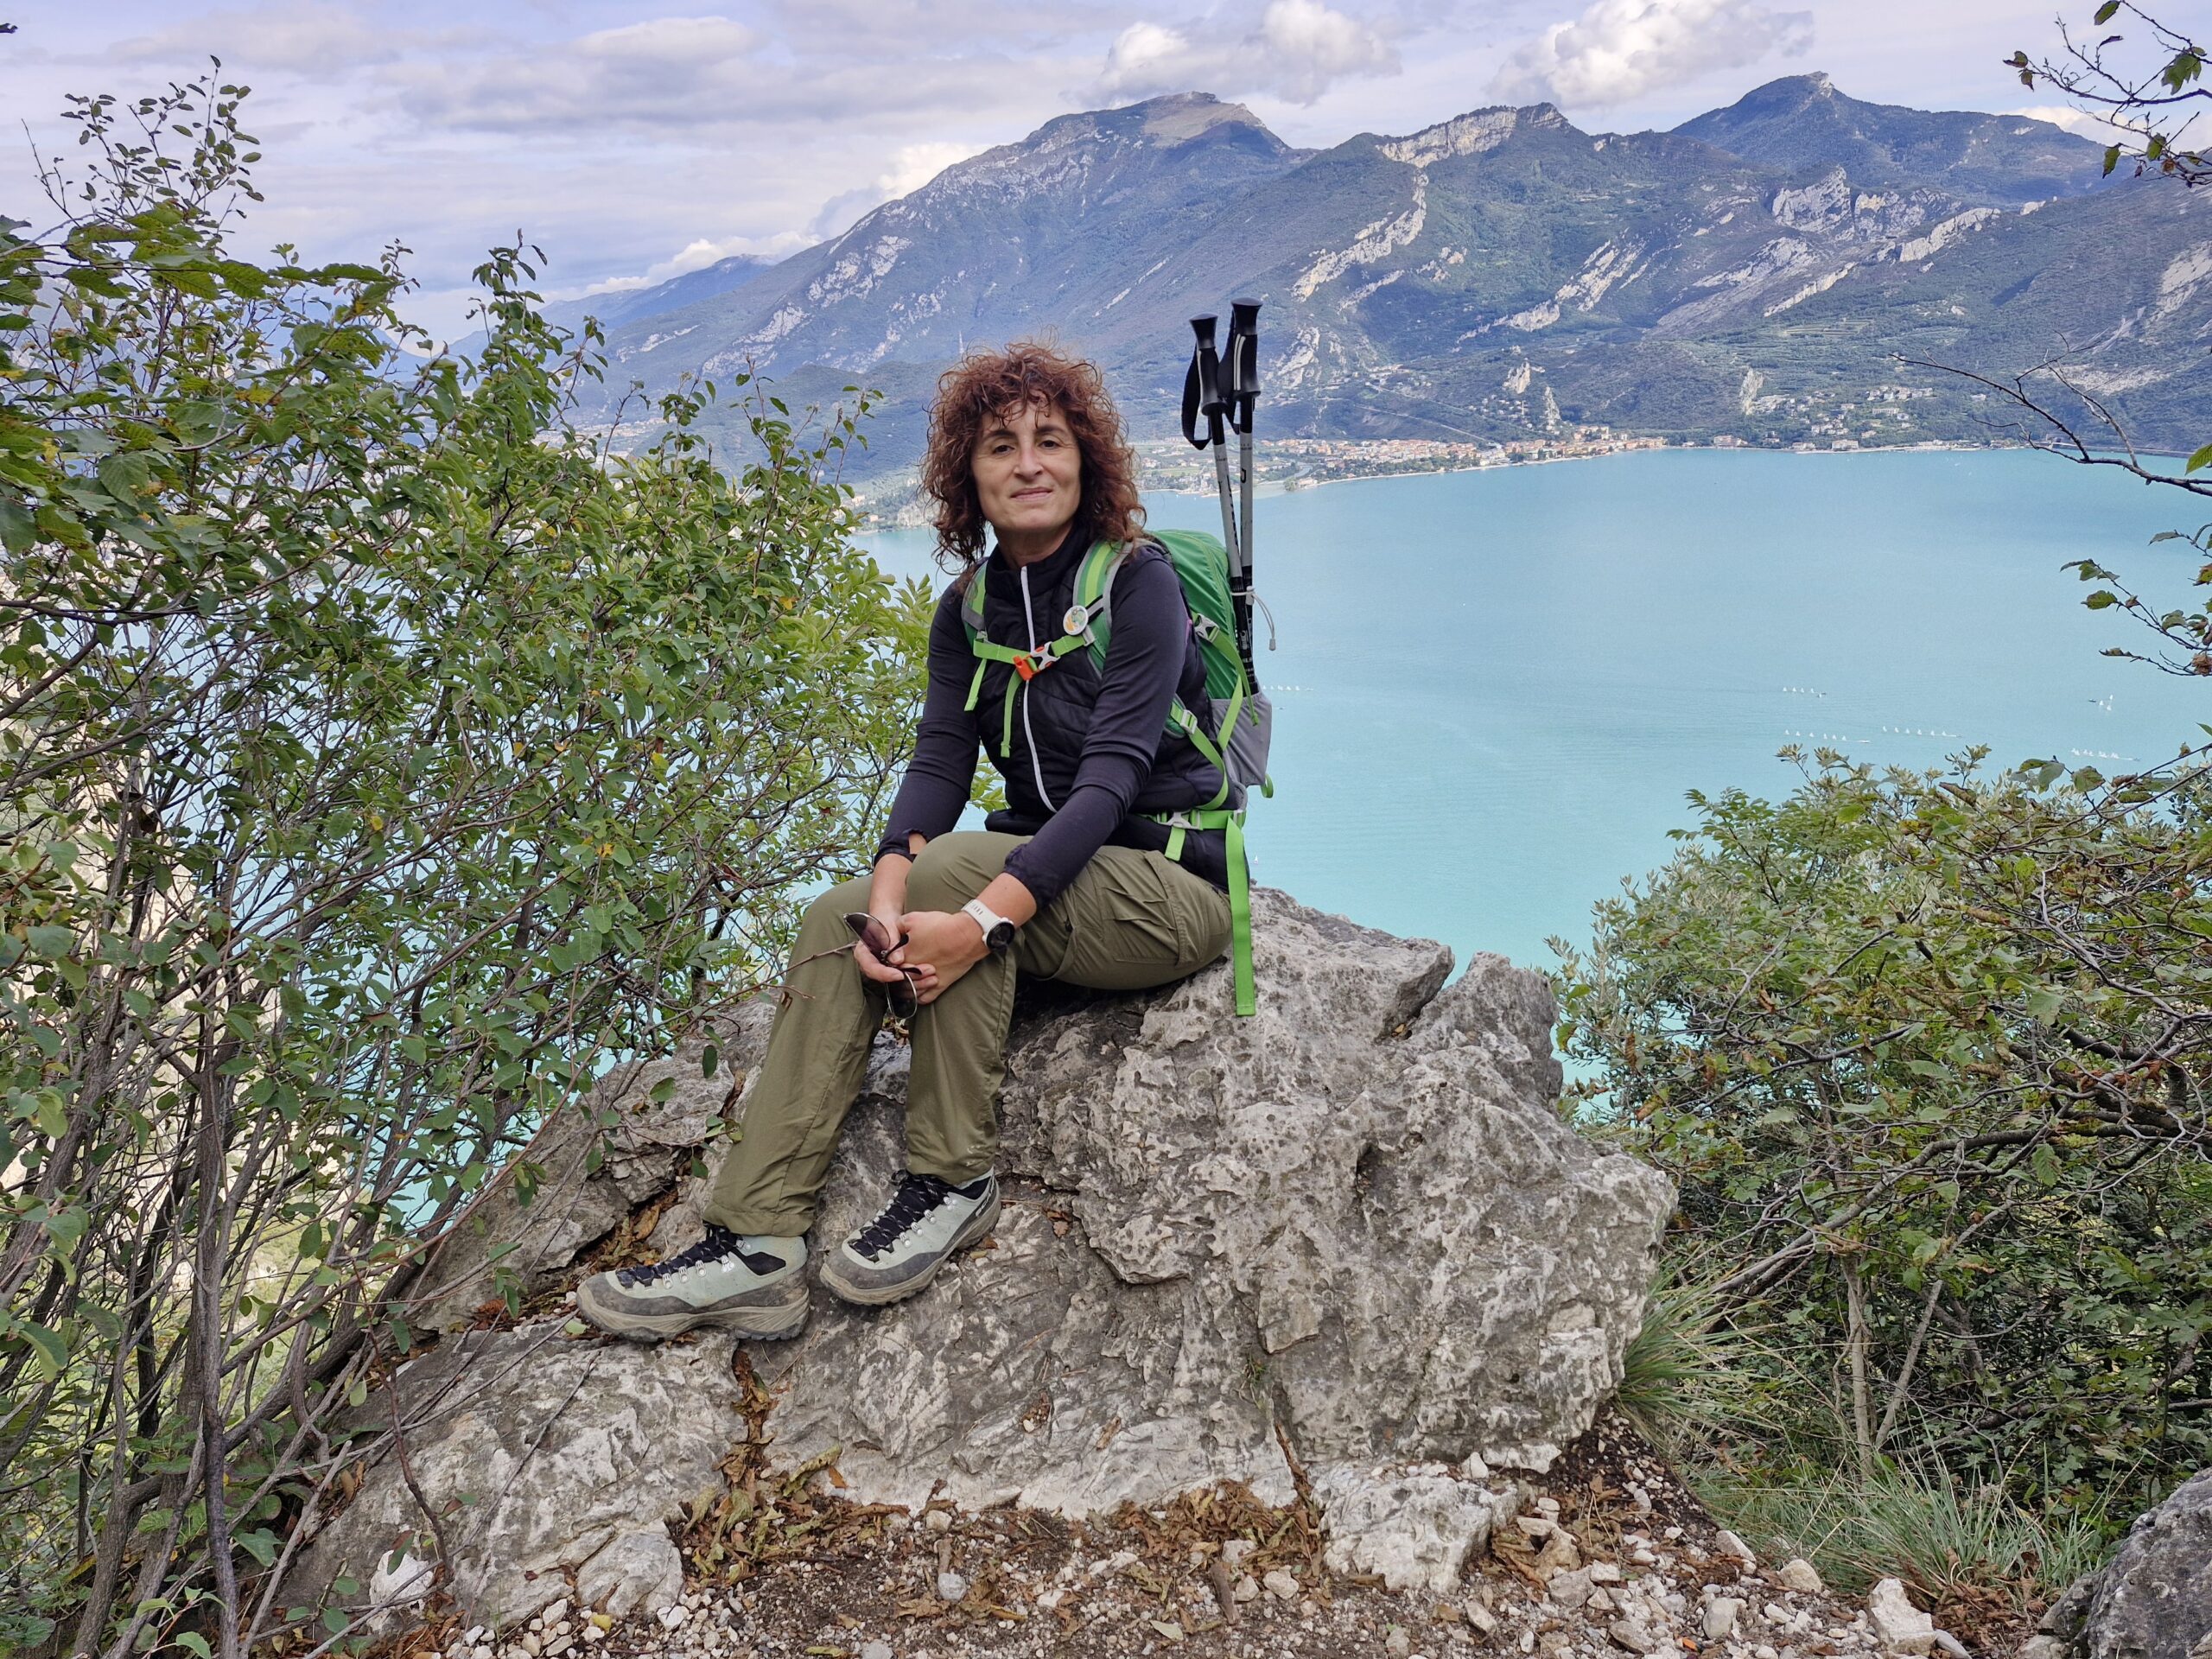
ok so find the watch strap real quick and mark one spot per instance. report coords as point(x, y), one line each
point(998, 931)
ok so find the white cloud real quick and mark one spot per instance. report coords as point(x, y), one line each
point(697, 255)
point(662, 71)
point(1619, 50)
point(2080, 122)
point(1147, 57)
point(1301, 48)
point(311, 38)
point(912, 167)
point(668, 42)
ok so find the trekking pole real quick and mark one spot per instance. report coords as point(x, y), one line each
point(1241, 361)
point(1202, 397)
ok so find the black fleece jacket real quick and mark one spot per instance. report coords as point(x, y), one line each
point(1089, 747)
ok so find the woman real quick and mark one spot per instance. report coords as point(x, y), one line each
point(1071, 881)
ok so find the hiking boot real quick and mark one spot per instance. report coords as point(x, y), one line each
point(754, 1285)
point(899, 1252)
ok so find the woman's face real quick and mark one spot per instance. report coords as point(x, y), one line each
point(1029, 475)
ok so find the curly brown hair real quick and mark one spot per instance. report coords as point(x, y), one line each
point(984, 383)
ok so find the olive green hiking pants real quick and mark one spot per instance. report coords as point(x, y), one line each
point(1130, 920)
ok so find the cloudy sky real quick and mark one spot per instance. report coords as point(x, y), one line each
point(633, 140)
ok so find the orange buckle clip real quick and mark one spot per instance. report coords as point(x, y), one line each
point(1023, 666)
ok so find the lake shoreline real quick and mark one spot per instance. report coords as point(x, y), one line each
point(908, 513)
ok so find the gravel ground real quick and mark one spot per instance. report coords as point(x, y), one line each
point(1612, 1559)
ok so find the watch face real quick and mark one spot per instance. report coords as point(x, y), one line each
point(999, 936)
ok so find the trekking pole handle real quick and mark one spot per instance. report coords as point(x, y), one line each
point(1211, 403)
point(1241, 362)
point(1202, 387)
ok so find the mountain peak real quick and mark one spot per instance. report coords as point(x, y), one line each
point(1164, 122)
point(1471, 133)
point(1175, 117)
point(1804, 122)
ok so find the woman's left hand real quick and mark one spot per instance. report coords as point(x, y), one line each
point(941, 946)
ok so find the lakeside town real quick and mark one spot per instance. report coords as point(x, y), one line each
point(1171, 466)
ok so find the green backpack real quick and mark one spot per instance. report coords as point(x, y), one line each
point(1236, 738)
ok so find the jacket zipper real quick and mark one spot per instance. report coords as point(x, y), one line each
point(1035, 770)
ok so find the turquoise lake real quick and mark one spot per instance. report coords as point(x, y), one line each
point(1493, 689)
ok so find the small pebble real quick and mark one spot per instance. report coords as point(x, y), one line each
point(875, 1650)
point(938, 1520)
point(1246, 1588)
point(1798, 1574)
point(950, 1586)
point(1281, 1585)
point(672, 1617)
point(1729, 1544)
point(1396, 1642)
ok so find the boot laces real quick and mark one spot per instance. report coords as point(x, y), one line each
point(918, 1195)
point(717, 1243)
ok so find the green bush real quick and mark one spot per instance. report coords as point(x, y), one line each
point(1930, 1056)
point(383, 759)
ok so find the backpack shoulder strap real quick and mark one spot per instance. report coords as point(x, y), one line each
point(971, 602)
point(1094, 593)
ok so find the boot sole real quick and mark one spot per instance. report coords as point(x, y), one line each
point(774, 1322)
point(976, 1229)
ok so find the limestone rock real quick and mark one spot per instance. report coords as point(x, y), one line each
point(1799, 1574)
point(1898, 1625)
point(1356, 1216)
point(2153, 1599)
point(1417, 1530)
point(397, 1589)
point(1720, 1615)
point(1560, 1552)
point(638, 1572)
point(538, 1452)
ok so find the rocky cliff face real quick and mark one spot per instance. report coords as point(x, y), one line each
point(2152, 1600)
point(1348, 1242)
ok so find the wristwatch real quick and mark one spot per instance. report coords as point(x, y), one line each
point(998, 932)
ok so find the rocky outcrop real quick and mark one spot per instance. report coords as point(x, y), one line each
point(2152, 1600)
point(1346, 1238)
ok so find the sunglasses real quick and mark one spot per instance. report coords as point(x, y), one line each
point(906, 1001)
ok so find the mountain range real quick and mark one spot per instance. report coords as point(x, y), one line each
point(1771, 272)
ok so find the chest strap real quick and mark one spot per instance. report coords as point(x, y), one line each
point(1027, 665)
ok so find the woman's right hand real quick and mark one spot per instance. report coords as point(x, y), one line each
point(887, 902)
